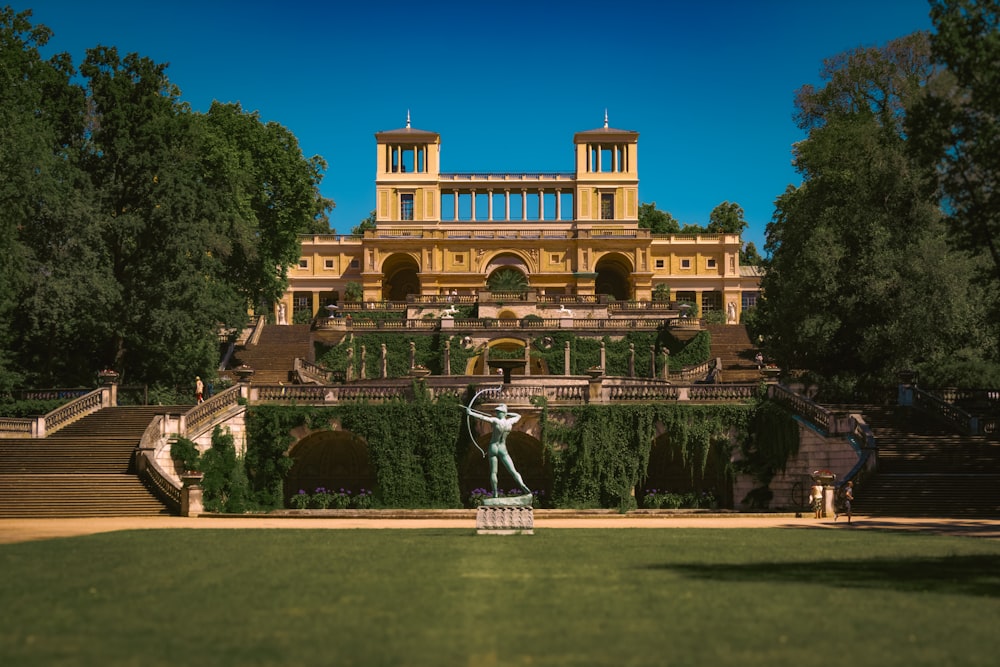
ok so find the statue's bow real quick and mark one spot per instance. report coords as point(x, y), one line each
point(468, 424)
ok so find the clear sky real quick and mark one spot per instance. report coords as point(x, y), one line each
point(708, 85)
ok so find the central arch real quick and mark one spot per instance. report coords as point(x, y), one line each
point(614, 272)
point(401, 277)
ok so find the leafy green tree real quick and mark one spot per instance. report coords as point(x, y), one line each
point(25, 156)
point(366, 225)
point(860, 282)
point(749, 255)
point(956, 126)
point(727, 218)
point(656, 221)
point(133, 228)
point(275, 192)
point(52, 288)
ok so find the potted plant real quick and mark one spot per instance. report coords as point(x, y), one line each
point(107, 377)
point(186, 457)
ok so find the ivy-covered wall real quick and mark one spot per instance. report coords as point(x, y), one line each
point(597, 453)
point(585, 352)
point(601, 453)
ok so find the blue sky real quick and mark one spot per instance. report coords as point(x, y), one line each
point(708, 85)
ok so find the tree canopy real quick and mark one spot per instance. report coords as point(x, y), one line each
point(727, 218)
point(860, 282)
point(657, 221)
point(956, 126)
point(134, 227)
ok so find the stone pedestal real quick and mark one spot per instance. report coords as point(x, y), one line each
point(505, 521)
point(191, 495)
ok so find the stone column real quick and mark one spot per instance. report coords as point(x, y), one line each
point(652, 361)
point(566, 358)
point(631, 360)
point(446, 366)
point(383, 372)
point(363, 372)
point(604, 364)
point(350, 364)
point(486, 360)
point(527, 357)
point(413, 354)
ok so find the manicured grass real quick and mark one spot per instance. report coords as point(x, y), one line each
point(449, 597)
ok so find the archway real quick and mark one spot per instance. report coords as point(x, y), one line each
point(668, 471)
point(332, 460)
point(613, 276)
point(507, 272)
point(508, 347)
point(401, 273)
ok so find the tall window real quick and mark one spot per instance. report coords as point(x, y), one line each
point(607, 206)
point(406, 207)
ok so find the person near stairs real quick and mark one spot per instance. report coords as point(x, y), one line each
point(816, 497)
point(847, 495)
point(199, 389)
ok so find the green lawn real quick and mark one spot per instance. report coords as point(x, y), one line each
point(702, 597)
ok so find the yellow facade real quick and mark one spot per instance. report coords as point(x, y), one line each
point(570, 234)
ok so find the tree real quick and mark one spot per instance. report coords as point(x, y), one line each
point(132, 228)
point(727, 218)
point(656, 221)
point(858, 267)
point(51, 283)
point(366, 225)
point(273, 198)
point(25, 152)
point(749, 255)
point(956, 126)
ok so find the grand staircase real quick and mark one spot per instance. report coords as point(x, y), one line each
point(926, 469)
point(273, 357)
point(731, 343)
point(83, 470)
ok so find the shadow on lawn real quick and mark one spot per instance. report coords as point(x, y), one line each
point(977, 575)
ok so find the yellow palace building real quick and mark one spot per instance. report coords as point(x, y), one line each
point(573, 235)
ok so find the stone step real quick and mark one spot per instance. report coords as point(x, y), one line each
point(69, 495)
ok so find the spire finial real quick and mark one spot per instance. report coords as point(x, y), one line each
point(605, 119)
point(407, 119)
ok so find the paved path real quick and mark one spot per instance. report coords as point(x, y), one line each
point(24, 530)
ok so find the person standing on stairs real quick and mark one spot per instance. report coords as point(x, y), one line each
point(199, 389)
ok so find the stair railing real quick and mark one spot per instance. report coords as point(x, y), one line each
point(863, 440)
point(149, 471)
point(66, 414)
point(258, 329)
point(952, 414)
point(204, 413)
point(814, 413)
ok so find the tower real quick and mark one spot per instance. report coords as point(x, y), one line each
point(406, 178)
